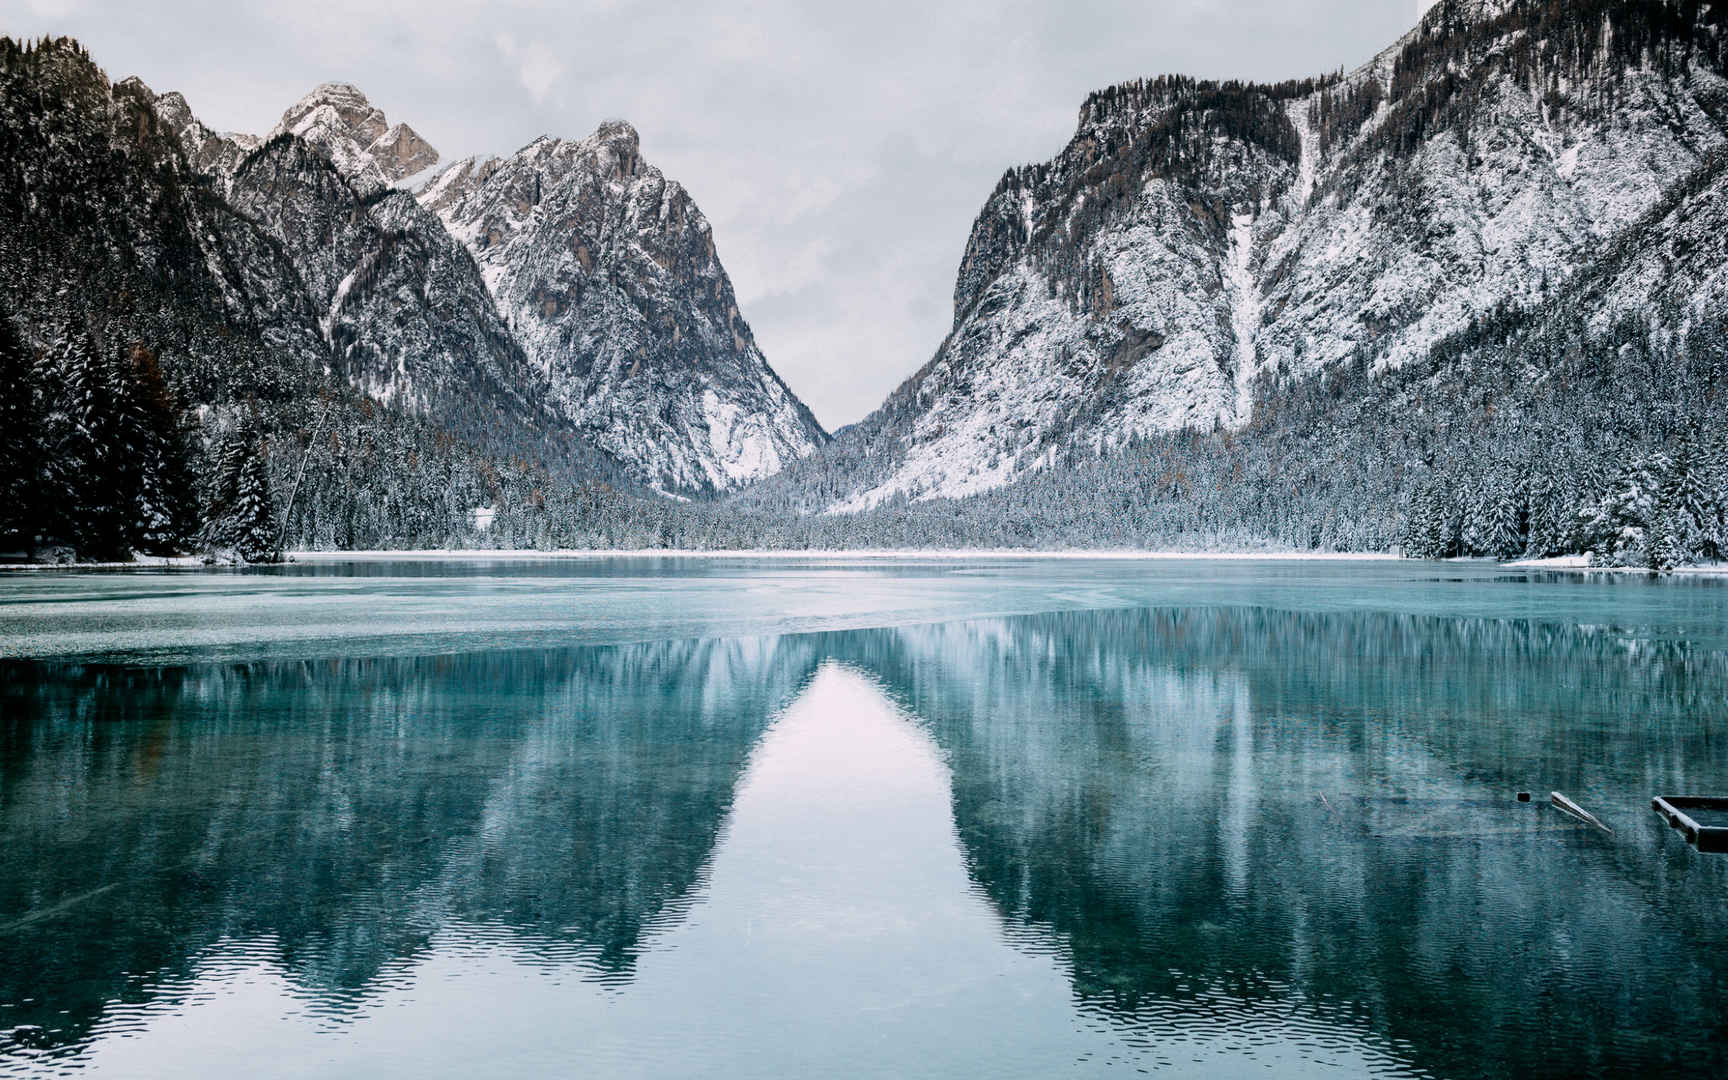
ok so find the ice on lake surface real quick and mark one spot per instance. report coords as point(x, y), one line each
point(762, 818)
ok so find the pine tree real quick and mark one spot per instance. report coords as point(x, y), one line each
point(163, 511)
point(1432, 528)
point(89, 473)
point(60, 460)
point(1685, 519)
point(1715, 470)
point(253, 525)
point(1548, 526)
point(239, 515)
point(1618, 526)
point(20, 442)
point(1507, 518)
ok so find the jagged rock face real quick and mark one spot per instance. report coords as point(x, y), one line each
point(1194, 238)
point(210, 152)
point(607, 273)
point(577, 256)
point(338, 120)
point(398, 303)
point(401, 304)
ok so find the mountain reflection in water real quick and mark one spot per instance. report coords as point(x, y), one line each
point(1196, 839)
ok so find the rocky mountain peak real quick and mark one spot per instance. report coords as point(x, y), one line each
point(607, 273)
point(172, 107)
point(339, 120)
point(336, 104)
point(618, 136)
point(619, 141)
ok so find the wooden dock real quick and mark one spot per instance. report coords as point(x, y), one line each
point(1703, 837)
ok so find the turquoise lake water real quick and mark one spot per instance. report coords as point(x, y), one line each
point(759, 818)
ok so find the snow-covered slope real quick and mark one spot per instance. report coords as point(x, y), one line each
point(1194, 238)
point(607, 273)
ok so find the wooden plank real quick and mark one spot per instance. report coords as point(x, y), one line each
point(1561, 802)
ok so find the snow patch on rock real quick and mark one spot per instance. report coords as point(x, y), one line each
point(1245, 308)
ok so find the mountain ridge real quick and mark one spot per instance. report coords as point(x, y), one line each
point(564, 340)
point(1194, 237)
point(337, 118)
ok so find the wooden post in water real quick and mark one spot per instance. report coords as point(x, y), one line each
point(1570, 807)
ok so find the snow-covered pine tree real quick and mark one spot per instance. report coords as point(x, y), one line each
point(253, 522)
point(1432, 531)
point(1506, 515)
point(1716, 477)
point(1686, 518)
point(59, 462)
point(239, 517)
point(1617, 526)
point(20, 442)
point(88, 472)
point(163, 511)
point(1548, 528)
point(1473, 499)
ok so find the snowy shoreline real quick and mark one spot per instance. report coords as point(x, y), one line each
point(195, 562)
point(1567, 563)
point(823, 554)
point(1578, 564)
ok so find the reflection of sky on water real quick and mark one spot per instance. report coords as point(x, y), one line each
point(836, 930)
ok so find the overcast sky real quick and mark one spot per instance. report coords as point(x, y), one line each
point(840, 148)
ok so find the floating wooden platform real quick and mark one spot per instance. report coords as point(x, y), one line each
point(1703, 837)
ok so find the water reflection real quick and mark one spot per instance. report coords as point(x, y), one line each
point(346, 810)
point(1192, 839)
point(1221, 813)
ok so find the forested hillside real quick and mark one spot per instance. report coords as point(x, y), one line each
point(176, 377)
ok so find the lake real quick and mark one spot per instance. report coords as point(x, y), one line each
point(799, 817)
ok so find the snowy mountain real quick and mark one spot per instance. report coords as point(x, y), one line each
point(338, 120)
point(205, 339)
point(107, 229)
point(1197, 244)
point(608, 274)
point(335, 120)
point(571, 283)
point(399, 304)
point(1465, 300)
